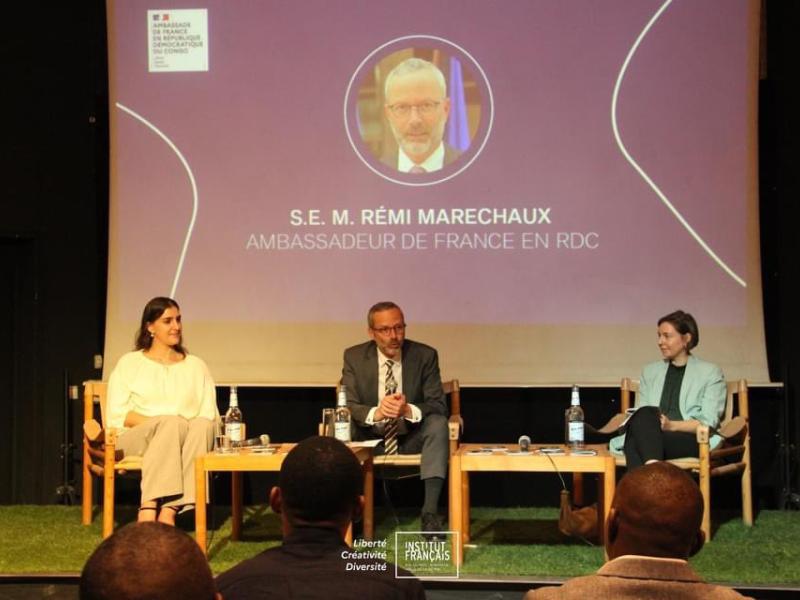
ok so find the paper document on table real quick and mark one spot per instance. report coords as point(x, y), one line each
point(552, 450)
point(365, 443)
point(584, 452)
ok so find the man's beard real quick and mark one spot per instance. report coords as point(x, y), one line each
point(417, 148)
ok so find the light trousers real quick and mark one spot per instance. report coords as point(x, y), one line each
point(168, 446)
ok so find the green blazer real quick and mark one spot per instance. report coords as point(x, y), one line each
point(702, 396)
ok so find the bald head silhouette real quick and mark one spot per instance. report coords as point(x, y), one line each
point(656, 511)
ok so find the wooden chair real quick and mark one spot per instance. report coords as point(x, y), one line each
point(100, 456)
point(731, 456)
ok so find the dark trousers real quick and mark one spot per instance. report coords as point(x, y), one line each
point(644, 439)
point(430, 437)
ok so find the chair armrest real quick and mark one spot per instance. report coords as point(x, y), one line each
point(111, 437)
point(702, 434)
point(455, 425)
point(734, 430)
point(93, 431)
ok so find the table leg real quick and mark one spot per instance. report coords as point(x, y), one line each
point(348, 535)
point(456, 517)
point(369, 499)
point(609, 485)
point(577, 489)
point(200, 506)
point(601, 506)
point(236, 505)
point(465, 517)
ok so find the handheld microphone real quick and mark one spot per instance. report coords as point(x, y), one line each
point(524, 443)
point(262, 440)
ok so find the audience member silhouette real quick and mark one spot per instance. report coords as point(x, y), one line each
point(150, 561)
point(653, 528)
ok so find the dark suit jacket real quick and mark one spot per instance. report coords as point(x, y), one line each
point(310, 564)
point(450, 155)
point(628, 577)
point(422, 383)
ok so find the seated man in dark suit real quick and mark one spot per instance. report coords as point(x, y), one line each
point(394, 391)
point(653, 528)
point(147, 560)
point(318, 495)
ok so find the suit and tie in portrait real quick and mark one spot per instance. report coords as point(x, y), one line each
point(417, 108)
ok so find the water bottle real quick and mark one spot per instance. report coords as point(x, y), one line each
point(233, 419)
point(341, 418)
point(574, 421)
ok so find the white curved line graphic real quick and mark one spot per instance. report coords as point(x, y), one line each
point(639, 170)
point(185, 164)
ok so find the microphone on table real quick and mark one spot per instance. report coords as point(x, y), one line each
point(524, 443)
point(262, 440)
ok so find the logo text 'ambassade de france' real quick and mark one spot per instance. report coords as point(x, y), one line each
point(425, 558)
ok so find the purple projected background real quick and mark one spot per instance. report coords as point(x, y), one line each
point(263, 131)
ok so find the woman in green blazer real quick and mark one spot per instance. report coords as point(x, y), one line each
point(676, 395)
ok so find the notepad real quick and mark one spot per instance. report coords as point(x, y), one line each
point(551, 450)
point(584, 452)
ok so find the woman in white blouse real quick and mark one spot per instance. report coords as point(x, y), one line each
point(162, 401)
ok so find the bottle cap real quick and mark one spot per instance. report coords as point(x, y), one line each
point(575, 399)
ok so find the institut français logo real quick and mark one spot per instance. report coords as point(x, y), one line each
point(426, 558)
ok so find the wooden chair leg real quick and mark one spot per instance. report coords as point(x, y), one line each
point(87, 500)
point(747, 494)
point(86, 497)
point(108, 485)
point(705, 490)
point(108, 500)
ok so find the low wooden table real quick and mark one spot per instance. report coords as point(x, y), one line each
point(465, 460)
point(247, 460)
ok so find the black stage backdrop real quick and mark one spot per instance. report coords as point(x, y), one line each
point(53, 243)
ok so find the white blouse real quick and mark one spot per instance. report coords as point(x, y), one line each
point(152, 389)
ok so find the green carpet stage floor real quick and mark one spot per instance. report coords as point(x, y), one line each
point(512, 548)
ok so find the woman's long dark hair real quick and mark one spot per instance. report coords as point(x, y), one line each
point(151, 313)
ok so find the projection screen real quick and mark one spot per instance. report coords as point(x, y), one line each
point(596, 170)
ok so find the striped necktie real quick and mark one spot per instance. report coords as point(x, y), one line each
point(390, 433)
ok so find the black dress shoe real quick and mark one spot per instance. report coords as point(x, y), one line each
point(432, 526)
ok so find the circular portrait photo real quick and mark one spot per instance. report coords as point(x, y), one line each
point(418, 114)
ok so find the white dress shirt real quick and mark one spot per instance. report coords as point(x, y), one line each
point(433, 163)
